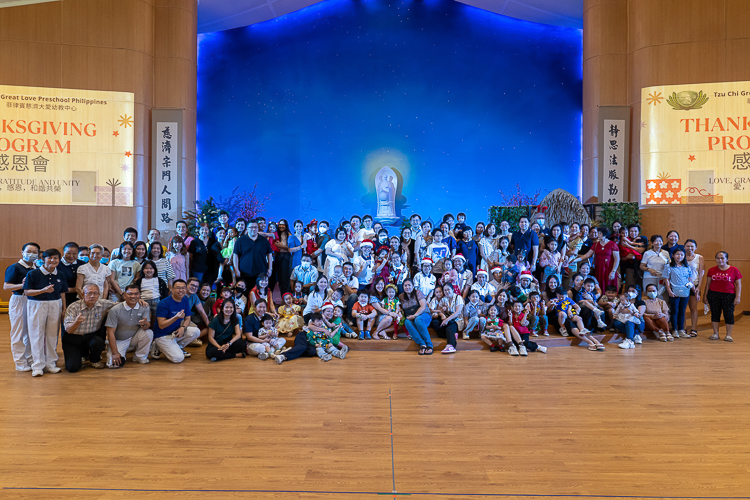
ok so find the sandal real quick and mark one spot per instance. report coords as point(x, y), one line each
point(428, 351)
point(421, 350)
point(714, 336)
point(662, 336)
point(593, 347)
point(670, 338)
point(693, 333)
point(728, 338)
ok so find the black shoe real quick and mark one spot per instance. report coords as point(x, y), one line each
point(493, 348)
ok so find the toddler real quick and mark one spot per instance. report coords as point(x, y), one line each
point(320, 336)
point(626, 311)
point(391, 304)
point(364, 314)
point(450, 276)
point(473, 315)
point(338, 319)
point(437, 309)
point(273, 343)
point(495, 331)
point(519, 330)
point(224, 294)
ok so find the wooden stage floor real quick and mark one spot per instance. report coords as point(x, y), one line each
point(661, 421)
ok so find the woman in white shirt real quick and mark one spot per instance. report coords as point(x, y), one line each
point(338, 251)
point(488, 245)
point(653, 264)
point(316, 299)
point(695, 261)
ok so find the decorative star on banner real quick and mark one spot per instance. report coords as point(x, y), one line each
point(654, 98)
point(643, 124)
point(116, 133)
point(125, 167)
point(691, 157)
point(126, 121)
point(128, 154)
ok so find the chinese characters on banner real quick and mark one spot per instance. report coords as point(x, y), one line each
point(613, 161)
point(168, 165)
point(66, 146)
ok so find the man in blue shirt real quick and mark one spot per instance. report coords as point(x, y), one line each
point(45, 289)
point(525, 241)
point(172, 330)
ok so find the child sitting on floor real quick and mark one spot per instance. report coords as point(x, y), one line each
point(364, 314)
point(519, 329)
point(290, 316)
point(495, 331)
point(474, 315)
point(320, 337)
point(328, 312)
point(273, 344)
point(608, 302)
point(568, 310)
point(537, 315)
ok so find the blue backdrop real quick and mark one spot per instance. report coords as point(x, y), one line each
point(460, 102)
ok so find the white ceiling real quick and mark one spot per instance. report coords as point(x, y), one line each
point(218, 15)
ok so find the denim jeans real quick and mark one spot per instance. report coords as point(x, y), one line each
point(475, 322)
point(417, 328)
point(677, 306)
point(538, 321)
point(629, 329)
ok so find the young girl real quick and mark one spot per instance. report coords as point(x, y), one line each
point(163, 267)
point(262, 291)
point(178, 257)
point(474, 314)
point(364, 314)
point(450, 277)
point(153, 288)
point(392, 307)
point(298, 297)
point(497, 257)
point(656, 314)
point(437, 309)
point(125, 269)
point(495, 330)
point(226, 251)
point(550, 260)
point(381, 263)
point(290, 316)
point(678, 277)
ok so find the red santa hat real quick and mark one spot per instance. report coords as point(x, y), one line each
point(459, 256)
point(327, 305)
point(496, 270)
point(482, 271)
point(526, 274)
point(367, 243)
point(383, 247)
point(427, 260)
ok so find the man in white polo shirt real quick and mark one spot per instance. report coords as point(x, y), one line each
point(128, 328)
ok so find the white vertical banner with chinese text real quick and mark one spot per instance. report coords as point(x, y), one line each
point(614, 141)
point(166, 158)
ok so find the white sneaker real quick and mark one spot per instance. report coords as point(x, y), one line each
point(584, 331)
point(513, 350)
point(637, 339)
point(37, 373)
point(601, 324)
point(143, 361)
point(466, 336)
point(625, 344)
point(263, 355)
point(53, 369)
point(542, 349)
point(280, 359)
point(522, 350)
point(563, 331)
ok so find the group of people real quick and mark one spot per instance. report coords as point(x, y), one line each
point(359, 281)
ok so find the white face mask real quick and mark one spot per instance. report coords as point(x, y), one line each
point(632, 295)
point(30, 257)
point(305, 264)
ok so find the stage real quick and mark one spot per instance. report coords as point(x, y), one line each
point(662, 420)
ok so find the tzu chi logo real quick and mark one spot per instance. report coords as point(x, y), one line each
point(687, 100)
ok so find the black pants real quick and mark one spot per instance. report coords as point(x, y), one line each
point(530, 346)
point(282, 268)
point(214, 352)
point(76, 347)
point(349, 304)
point(721, 302)
point(448, 332)
point(302, 348)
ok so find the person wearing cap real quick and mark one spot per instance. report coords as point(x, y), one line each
point(424, 280)
point(526, 242)
point(465, 276)
point(483, 287)
point(364, 264)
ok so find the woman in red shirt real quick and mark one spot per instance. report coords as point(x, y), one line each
point(722, 293)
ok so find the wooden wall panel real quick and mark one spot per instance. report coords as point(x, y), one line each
point(33, 23)
point(24, 62)
point(115, 24)
point(738, 19)
point(173, 39)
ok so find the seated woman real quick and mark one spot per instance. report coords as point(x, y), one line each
point(224, 335)
point(416, 316)
point(449, 327)
point(656, 314)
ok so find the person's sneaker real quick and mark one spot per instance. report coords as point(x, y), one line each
point(513, 350)
point(522, 350)
point(344, 350)
point(367, 335)
point(601, 324)
point(98, 365)
point(195, 343)
point(563, 332)
point(625, 344)
point(143, 361)
point(155, 352)
point(263, 355)
point(584, 331)
point(542, 349)
point(186, 354)
point(684, 334)
point(327, 357)
point(280, 359)
point(52, 369)
point(493, 348)
point(637, 339)
point(361, 335)
point(37, 373)
point(449, 349)
point(214, 359)
point(466, 336)
point(598, 311)
point(545, 333)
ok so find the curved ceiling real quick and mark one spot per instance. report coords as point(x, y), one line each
point(219, 15)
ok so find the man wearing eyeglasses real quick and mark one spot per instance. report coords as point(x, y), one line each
point(128, 327)
point(85, 330)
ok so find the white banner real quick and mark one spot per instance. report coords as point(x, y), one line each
point(613, 161)
point(168, 164)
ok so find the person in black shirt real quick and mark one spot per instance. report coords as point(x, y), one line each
point(69, 264)
point(198, 250)
point(252, 255)
point(15, 276)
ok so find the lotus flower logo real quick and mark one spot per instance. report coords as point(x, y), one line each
point(687, 100)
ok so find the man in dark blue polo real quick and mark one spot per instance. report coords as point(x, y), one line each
point(525, 241)
point(252, 256)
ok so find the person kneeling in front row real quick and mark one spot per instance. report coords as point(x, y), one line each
point(85, 330)
point(171, 329)
point(128, 329)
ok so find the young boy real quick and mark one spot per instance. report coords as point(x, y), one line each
point(608, 302)
point(537, 314)
point(364, 314)
point(320, 337)
point(274, 344)
point(328, 312)
point(589, 299)
point(566, 309)
point(338, 319)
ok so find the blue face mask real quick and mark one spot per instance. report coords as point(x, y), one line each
point(104, 260)
point(39, 262)
point(84, 258)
